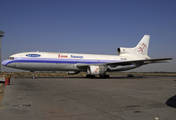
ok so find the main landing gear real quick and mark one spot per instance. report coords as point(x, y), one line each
point(100, 76)
point(130, 75)
point(104, 76)
point(90, 76)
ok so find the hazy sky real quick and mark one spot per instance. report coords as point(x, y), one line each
point(89, 26)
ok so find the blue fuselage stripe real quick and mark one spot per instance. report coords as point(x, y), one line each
point(60, 61)
point(44, 61)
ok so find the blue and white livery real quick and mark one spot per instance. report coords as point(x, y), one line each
point(93, 64)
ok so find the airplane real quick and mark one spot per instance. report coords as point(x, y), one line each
point(93, 64)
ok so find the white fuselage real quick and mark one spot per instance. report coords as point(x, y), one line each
point(45, 61)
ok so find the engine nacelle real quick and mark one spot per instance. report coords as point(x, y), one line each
point(96, 70)
point(122, 50)
point(73, 72)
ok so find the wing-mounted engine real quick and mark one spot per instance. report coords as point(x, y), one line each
point(96, 70)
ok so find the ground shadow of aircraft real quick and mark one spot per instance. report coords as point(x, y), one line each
point(171, 102)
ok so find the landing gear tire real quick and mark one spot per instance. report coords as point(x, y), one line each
point(107, 76)
point(104, 76)
point(90, 76)
point(130, 75)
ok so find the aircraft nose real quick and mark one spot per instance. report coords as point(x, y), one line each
point(5, 62)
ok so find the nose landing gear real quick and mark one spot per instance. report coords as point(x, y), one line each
point(33, 74)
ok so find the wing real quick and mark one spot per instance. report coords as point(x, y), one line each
point(140, 62)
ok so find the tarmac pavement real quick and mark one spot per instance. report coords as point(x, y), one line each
point(116, 98)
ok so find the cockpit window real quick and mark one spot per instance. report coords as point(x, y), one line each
point(11, 58)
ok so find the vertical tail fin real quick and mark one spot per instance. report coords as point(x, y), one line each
point(142, 47)
point(140, 51)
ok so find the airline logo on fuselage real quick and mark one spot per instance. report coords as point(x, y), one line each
point(72, 56)
point(33, 55)
point(62, 56)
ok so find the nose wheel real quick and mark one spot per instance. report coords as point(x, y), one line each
point(33, 75)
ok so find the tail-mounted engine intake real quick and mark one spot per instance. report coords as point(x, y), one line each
point(96, 70)
point(122, 50)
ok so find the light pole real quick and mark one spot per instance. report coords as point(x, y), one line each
point(1, 35)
